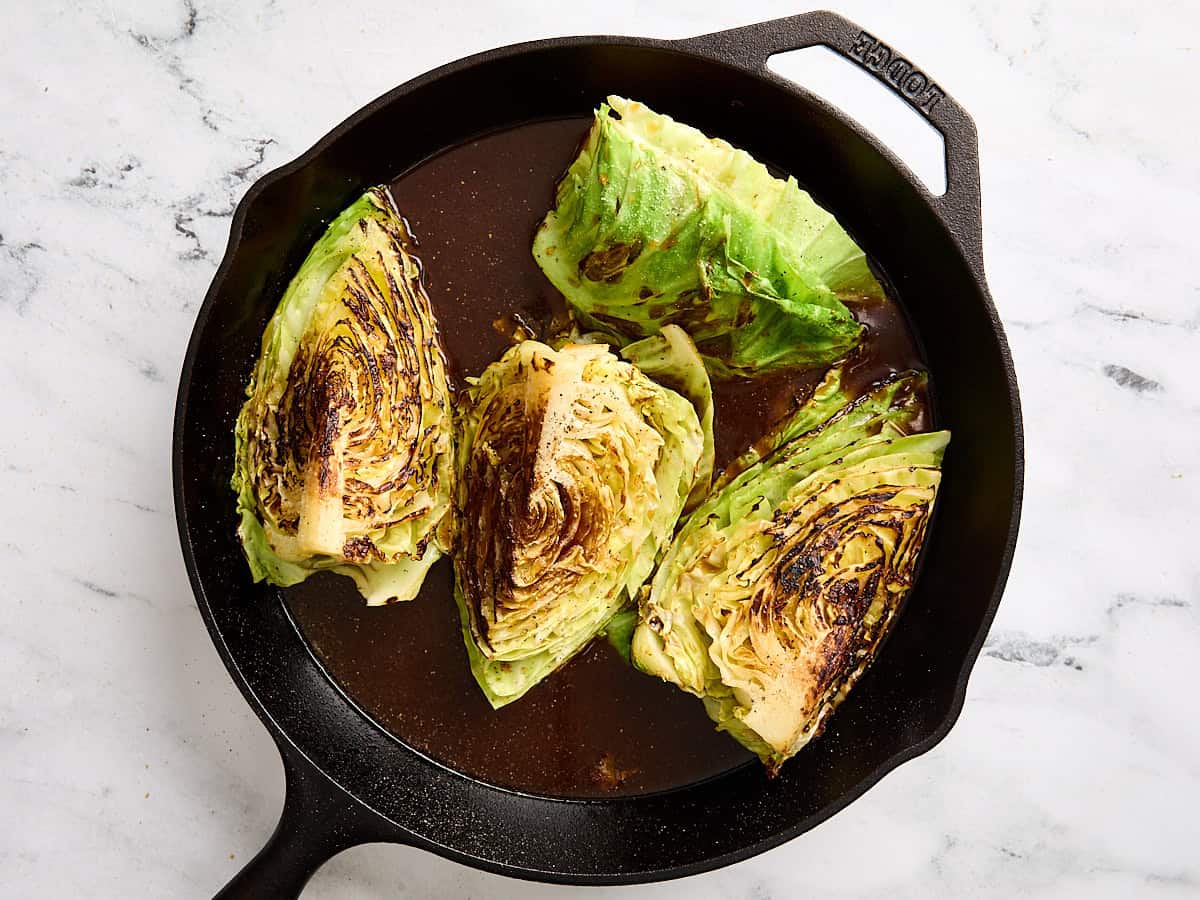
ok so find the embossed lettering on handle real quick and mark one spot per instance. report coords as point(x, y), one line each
point(893, 69)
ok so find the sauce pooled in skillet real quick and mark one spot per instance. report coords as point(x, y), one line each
point(596, 727)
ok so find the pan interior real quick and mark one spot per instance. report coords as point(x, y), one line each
point(597, 728)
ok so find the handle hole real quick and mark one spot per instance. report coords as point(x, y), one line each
point(897, 126)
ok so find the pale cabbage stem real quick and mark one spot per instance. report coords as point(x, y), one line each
point(322, 527)
point(560, 390)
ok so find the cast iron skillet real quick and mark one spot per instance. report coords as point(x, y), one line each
point(348, 781)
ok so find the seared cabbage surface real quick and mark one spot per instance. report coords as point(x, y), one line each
point(777, 591)
point(573, 470)
point(344, 456)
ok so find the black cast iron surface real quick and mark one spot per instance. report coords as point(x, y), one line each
point(349, 781)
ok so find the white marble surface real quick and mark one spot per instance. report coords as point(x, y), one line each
point(129, 765)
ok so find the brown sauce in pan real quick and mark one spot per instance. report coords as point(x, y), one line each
point(596, 727)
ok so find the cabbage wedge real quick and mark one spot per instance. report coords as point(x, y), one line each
point(655, 223)
point(777, 591)
point(573, 470)
point(344, 456)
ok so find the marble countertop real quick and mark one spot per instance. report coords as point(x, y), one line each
point(129, 764)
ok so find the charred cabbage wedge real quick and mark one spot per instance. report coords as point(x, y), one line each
point(573, 470)
point(655, 223)
point(776, 592)
point(344, 456)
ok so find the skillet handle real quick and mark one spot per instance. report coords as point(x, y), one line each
point(315, 826)
point(752, 46)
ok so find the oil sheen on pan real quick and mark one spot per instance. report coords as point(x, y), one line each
point(597, 727)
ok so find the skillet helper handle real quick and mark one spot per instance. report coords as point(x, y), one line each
point(752, 46)
point(313, 828)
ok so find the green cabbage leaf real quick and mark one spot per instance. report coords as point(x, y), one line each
point(655, 223)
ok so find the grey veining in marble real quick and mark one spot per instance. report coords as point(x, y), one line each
point(129, 765)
